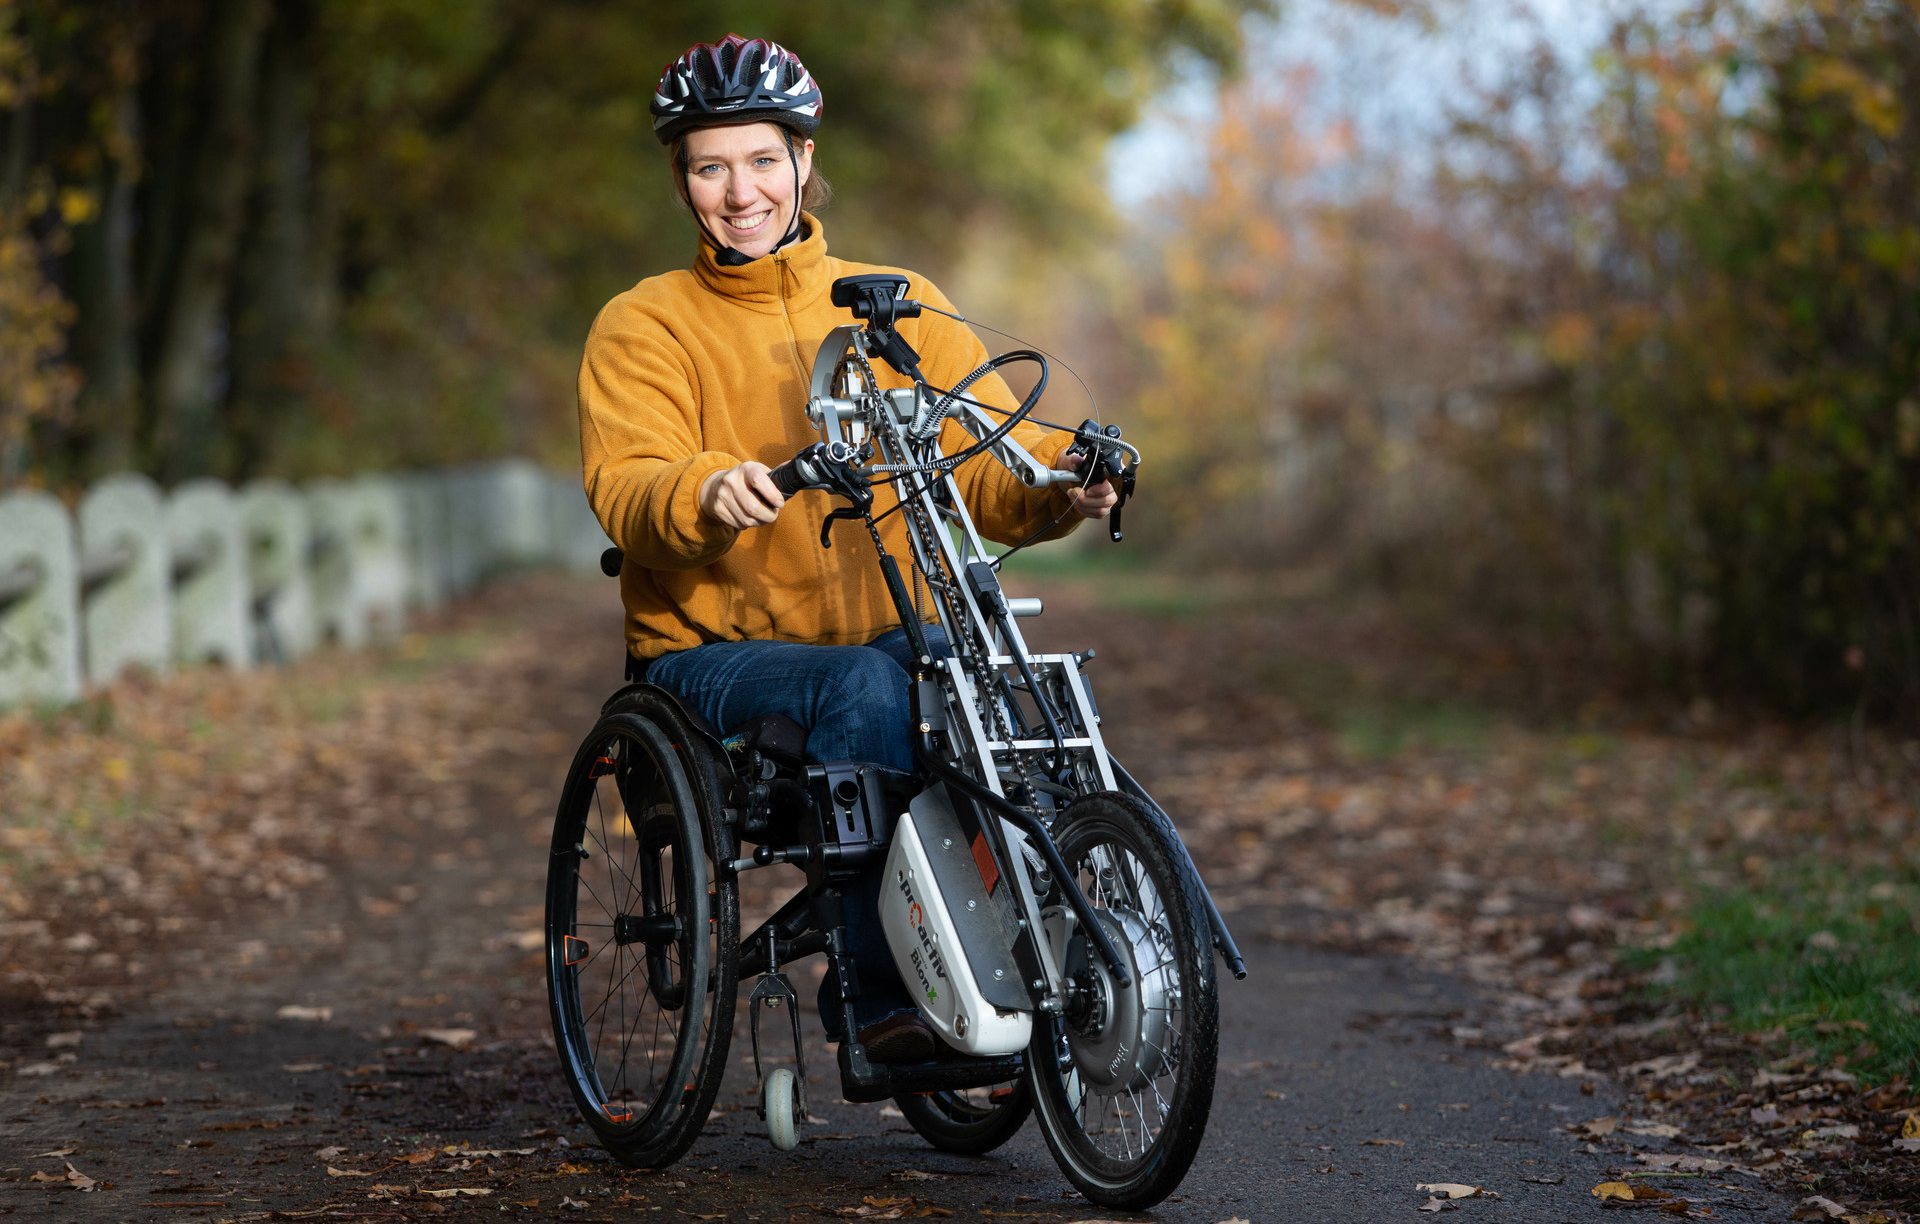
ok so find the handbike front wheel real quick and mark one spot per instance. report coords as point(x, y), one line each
point(972, 1121)
point(1122, 1078)
point(641, 927)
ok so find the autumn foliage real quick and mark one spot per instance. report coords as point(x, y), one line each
point(1640, 373)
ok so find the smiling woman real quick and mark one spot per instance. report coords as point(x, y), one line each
point(694, 385)
point(738, 180)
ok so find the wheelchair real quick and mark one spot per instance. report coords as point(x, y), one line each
point(1038, 902)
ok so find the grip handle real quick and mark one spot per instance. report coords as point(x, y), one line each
point(786, 478)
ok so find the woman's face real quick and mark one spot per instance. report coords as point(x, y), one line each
point(740, 183)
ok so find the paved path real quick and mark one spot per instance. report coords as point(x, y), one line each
point(1340, 1090)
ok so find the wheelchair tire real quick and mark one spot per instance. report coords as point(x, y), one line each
point(971, 1122)
point(778, 1101)
point(643, 923)
point(1122, 1081)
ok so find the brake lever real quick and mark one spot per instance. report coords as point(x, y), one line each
point(829, 466)
point(1106, 463)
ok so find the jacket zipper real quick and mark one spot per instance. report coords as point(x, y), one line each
point(786, 316)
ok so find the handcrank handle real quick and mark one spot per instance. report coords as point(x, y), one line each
point(824, 465)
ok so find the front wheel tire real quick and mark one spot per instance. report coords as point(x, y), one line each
point(1122, 1081)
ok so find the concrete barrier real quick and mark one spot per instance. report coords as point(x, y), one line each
point(330, 562)
point(143, 579)
point(429, 544)
point(468, 549)
point(359, 568)
point(280, 592)
point(209, 570)
point(519, 505)
point(578, 539)
point(380, 572)
point(39, 601)
point(125, 579)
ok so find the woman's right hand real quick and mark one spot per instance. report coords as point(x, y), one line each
point(741, 497)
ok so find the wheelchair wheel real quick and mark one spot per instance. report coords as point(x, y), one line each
point(970, 1122)
point(1122, 1079)
point(642, 927)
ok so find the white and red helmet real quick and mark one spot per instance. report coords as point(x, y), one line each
point(735, 80)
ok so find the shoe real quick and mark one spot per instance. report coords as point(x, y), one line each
point(904, 1038)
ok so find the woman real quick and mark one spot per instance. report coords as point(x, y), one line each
point(694, 385)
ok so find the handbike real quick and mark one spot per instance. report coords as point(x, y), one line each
point(1038, 902)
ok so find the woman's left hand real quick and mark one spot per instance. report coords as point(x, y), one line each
point(1093, 501)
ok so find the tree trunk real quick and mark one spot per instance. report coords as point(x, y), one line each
point(104, 340)
point(273, 315)
point(182, 384)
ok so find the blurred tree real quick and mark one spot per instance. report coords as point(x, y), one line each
point(307, 234)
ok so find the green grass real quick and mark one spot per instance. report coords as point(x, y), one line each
point(1377, 731)
point(1831, 961)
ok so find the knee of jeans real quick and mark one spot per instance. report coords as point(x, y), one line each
point(872, 680)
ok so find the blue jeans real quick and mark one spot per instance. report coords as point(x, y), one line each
point(853, 702)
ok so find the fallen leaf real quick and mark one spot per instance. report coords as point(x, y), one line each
point(80, 1181)
point(423, 1155)
point(1438, 1204)
point(1234, 1220)
point(1664, 1067)
point(302, 1068)
point(1597, 1127)
point(1546, 1179)
point(488, 1153)
point(63, 1041)
point(1614, 1190)
point(294, 1011)
point(1452, 1190)
point(1383, 1143)
point(1658, 1130)
point(455, 1191)
point(458, 1038)
point(1830, 1134)
point(330, 1153)
point(571, 1205)
point(917, 1175)
point(1910, 1129)
point(1907, 1145)
point(1765, 1117)
point(36, 1068)
point(1818, 1207)
point(333, 1172)
point(57, 1153)
point(1682, 1164)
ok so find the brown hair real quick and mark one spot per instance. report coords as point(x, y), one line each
point(815, 194)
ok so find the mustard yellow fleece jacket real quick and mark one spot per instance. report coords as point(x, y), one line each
point(696, 371)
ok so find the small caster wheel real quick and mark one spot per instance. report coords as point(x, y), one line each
point(778, 1103)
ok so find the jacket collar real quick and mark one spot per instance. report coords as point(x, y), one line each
point(795, 272)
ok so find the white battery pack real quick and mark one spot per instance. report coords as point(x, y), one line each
point(927, 947)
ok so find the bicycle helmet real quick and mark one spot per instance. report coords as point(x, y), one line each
point(735, 80)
